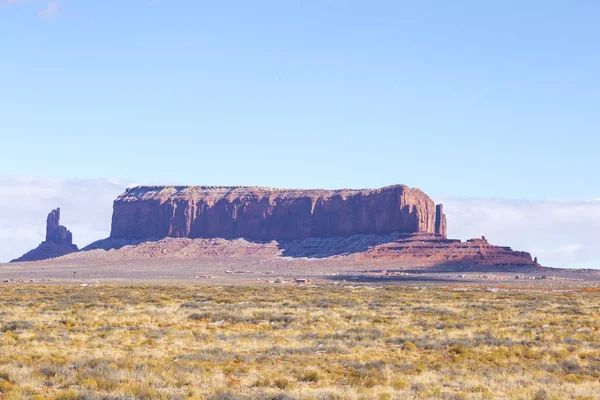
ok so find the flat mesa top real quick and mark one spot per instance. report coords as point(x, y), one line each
point(164, 192)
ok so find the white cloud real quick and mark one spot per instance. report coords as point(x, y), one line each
point(561, 233)
point(50, 11)
point(86, 210)
point(7, 3)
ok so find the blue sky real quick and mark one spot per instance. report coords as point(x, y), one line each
point(491, 107)
point(466, 98)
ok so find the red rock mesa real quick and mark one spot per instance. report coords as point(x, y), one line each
point(272, 214)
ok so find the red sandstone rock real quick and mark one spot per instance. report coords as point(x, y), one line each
point(392, 224)
point(59, 241)
point(395, 250)
point(264, 214)
point(55, 232)
point(430, 250)
point(440, 221)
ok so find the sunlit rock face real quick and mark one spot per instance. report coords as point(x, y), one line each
point(271, 214)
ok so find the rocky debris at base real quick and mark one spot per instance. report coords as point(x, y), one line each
point(410, 250)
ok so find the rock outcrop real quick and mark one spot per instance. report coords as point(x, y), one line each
point(400, 250)
point(271, 214)
point(436, 251)
point(55, 232)
point(59, 241)
point(440, 221)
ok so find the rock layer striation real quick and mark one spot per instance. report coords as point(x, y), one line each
point(257, 213)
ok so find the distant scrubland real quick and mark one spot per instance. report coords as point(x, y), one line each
point(163, 342)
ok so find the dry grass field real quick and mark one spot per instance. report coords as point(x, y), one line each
point(207, 342)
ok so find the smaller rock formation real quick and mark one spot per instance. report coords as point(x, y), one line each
point(59, 241)
point(440, 221)
point(55, 232)
point(434, 251)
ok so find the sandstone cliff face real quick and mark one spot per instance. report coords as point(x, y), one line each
point(263, 214)
point(59, 241)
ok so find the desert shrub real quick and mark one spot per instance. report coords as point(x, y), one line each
point(214, 355)
point(282, 383)
point(132, 342)
point(70, 394)
point(263, 381)
point(191, 304)
point(50, 370)
point(271, 396)
point(16, 326)
point(225, 396)
point(541, 394)
point(409, 346)
point(200, 316)
point(399, 384)
point(457, 350)
point(310, 376)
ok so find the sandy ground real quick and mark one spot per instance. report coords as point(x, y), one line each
point(284, 271)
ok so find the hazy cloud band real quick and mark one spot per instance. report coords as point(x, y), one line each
point(560, 233)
